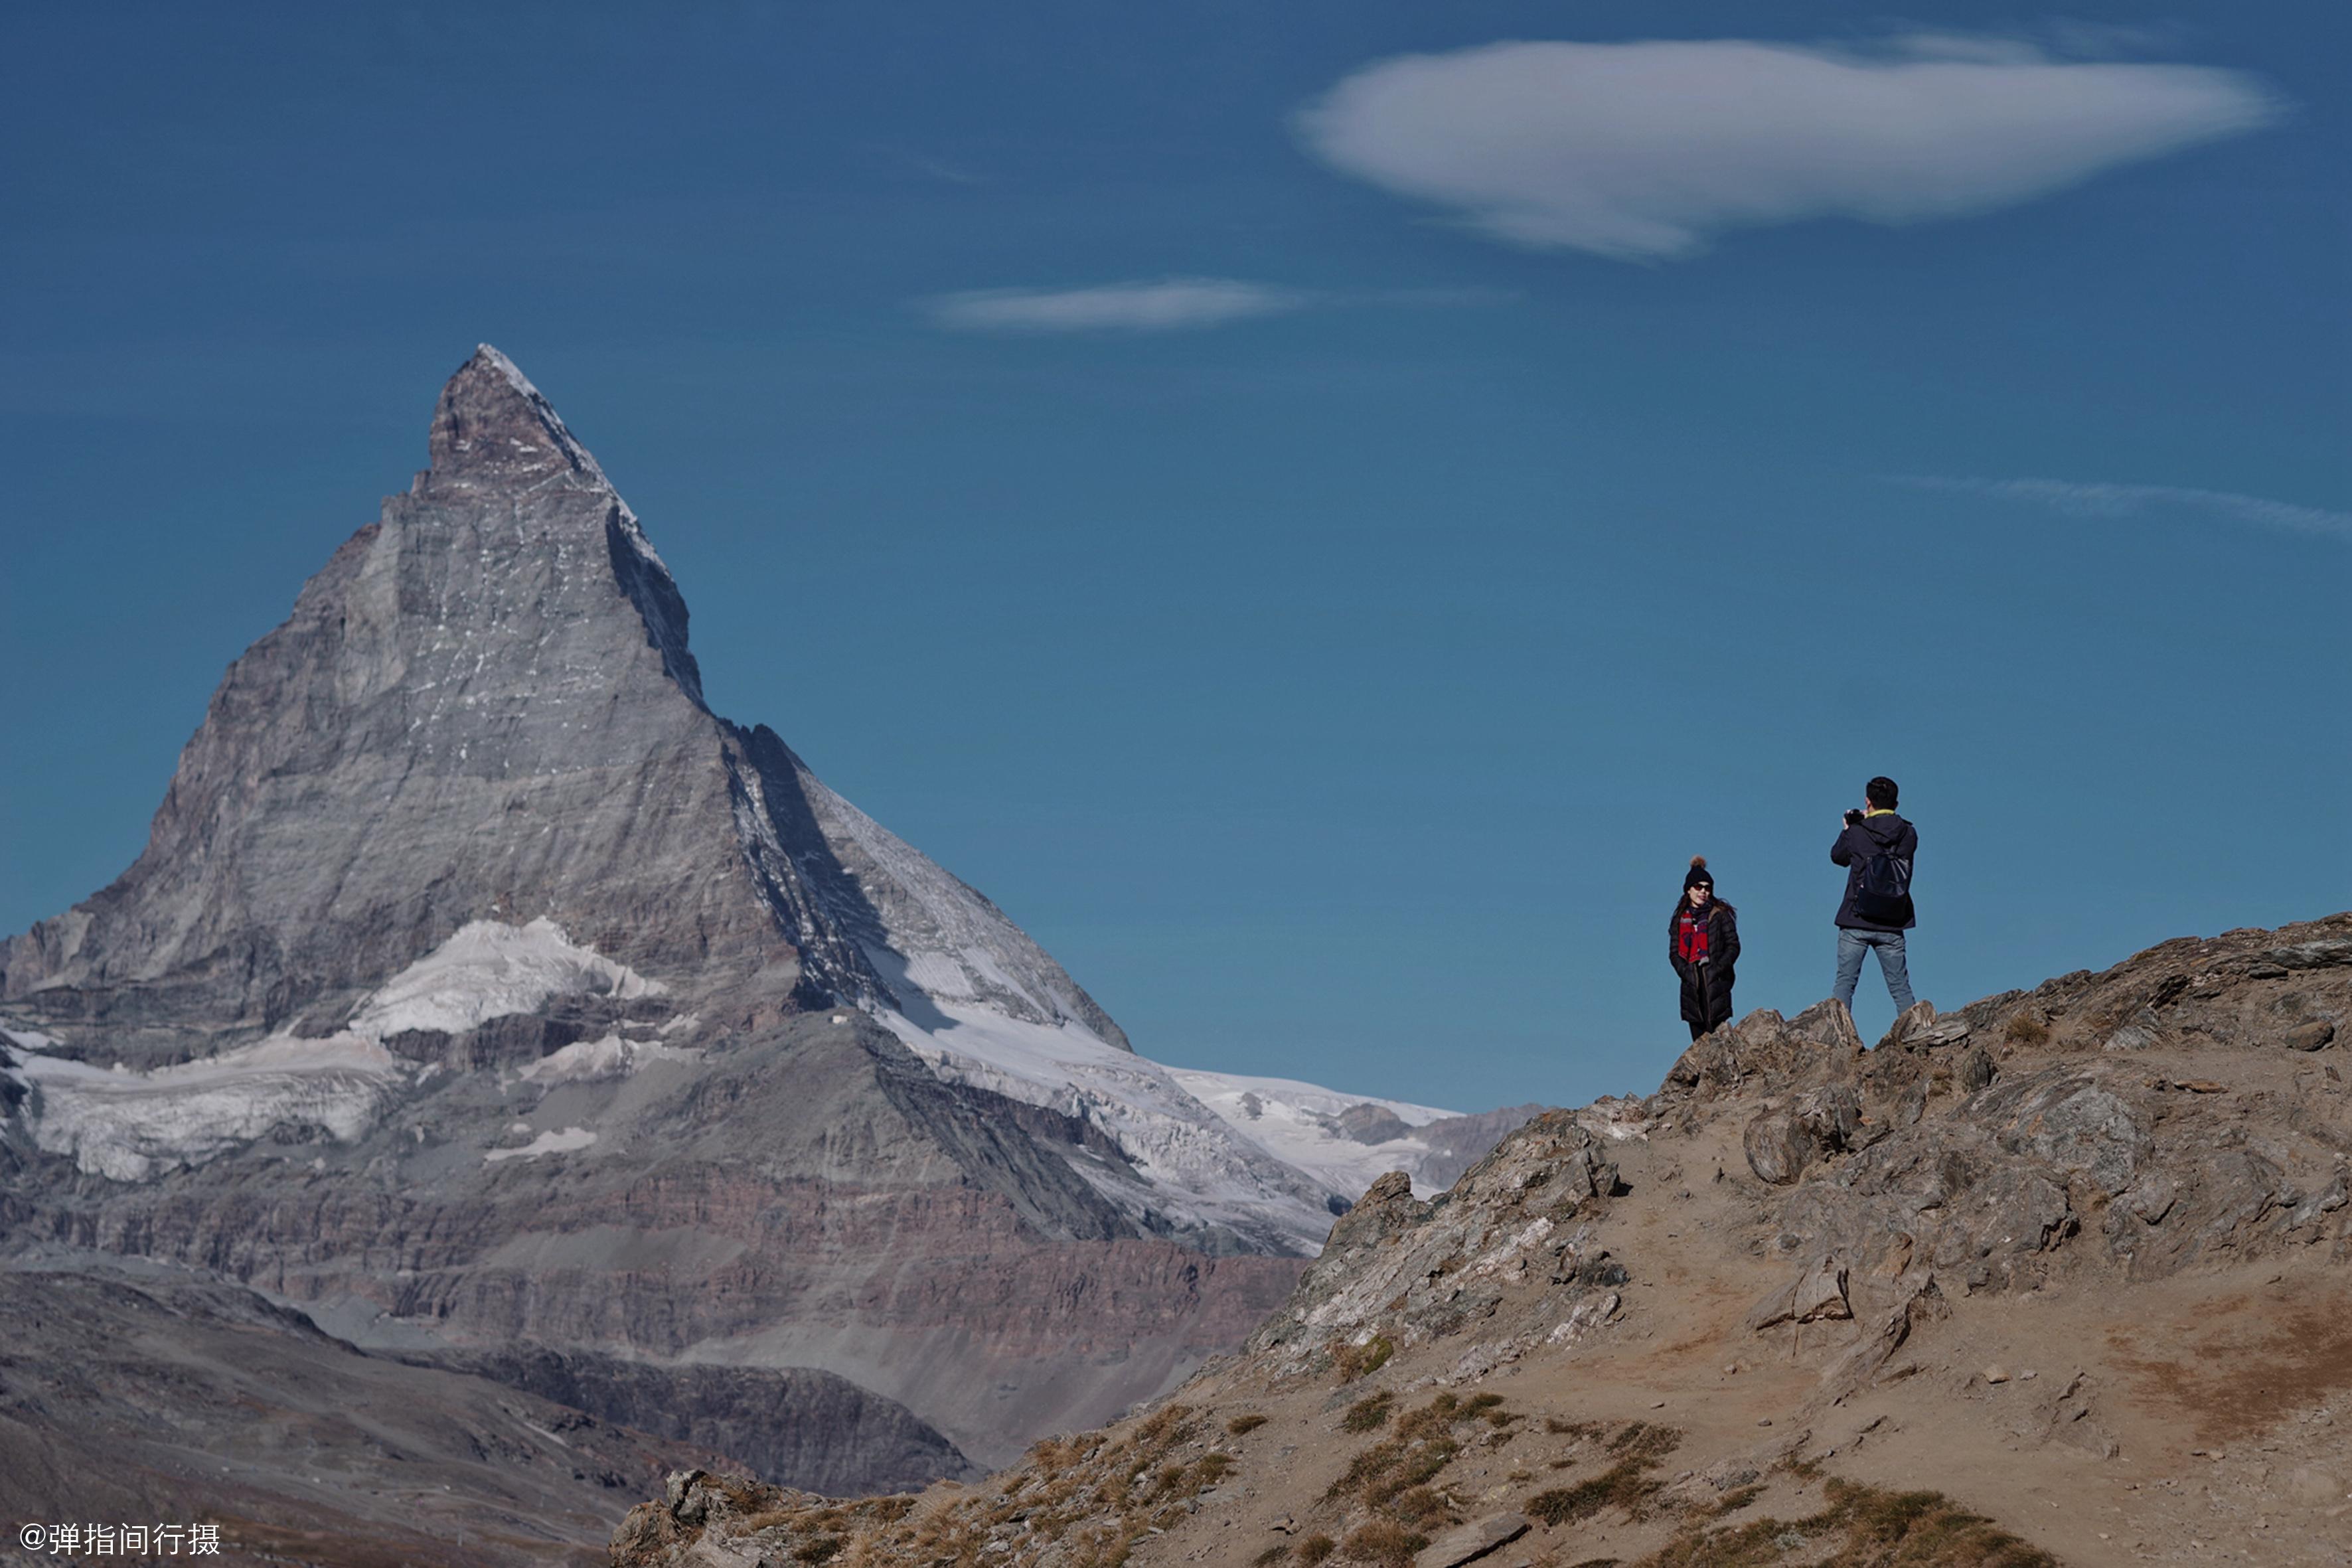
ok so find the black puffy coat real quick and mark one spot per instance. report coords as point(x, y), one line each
point(1707, 987)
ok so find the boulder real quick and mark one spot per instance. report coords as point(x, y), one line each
point(2070, 1122)
point(1829, 1024)
point(1909, 1022)
point(1781, 1142)
point(2014, 1212)
point(2311, 1036)
point(1831, 1115)
point(1817, 1293)
point(1946, 1031)
point(1917, 1300)
point(1472, 1541)
point(1779, 1147)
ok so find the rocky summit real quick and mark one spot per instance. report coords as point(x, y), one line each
point(2058, 1277)
point(484, 710)
point(485, 996)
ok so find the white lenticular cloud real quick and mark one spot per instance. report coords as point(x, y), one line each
point(1164, 305)
point(1647, 150)
point(2077, 498)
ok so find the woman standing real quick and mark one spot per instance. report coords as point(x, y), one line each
point(1702, 944)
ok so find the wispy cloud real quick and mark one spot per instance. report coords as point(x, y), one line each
point(2078, 499)
point(1162, 305)
point(1647, 150)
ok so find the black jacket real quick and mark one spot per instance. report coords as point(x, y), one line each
point(1707, 987)
point(1885, 834)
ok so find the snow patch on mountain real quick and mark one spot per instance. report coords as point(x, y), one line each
point(1300, 1125)
point(938, 939)
point(591, 1061)
point(1199, 1173)
point(571, 1141)
point(129, 1126)
point(489, 968)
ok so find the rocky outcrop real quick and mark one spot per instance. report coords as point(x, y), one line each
point(1458, 1142)
point(1768, 1309)
point(1403, 1270)
point(2077, 1110)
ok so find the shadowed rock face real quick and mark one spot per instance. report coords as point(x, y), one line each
point(136, 1395)
point(479, 985)
point(796, 1427)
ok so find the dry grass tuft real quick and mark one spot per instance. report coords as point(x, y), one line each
point(1622, 1485)
point(1092, 1496)
point(1316, 1548)
point(1433, 1419)
point(1163, 1423)
point(1645, 1443)
point(1243, 1425)
point(1051, 1456)
point(1369, 1413)
point(1394, 1476)
point(1733, 1502)
point(1862, 1527)
point(1383, 1542)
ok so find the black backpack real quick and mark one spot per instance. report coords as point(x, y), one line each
point(1883, 897)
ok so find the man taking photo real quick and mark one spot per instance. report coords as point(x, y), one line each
point(1877, 848)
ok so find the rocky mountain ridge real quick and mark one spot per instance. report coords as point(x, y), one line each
point(502, 657)
point(2057, 1276)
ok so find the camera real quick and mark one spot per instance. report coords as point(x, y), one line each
point(1853, 816)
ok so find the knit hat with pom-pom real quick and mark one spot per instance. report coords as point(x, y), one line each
point(1698, 876)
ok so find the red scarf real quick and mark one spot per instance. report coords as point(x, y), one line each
point(1690, 933)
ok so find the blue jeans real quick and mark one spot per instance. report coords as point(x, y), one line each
point(1889, 943)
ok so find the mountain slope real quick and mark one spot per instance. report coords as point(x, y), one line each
point(150, 1395)
point(483, 993)
point(2074, 1256)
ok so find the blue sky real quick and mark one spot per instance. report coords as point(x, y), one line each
point(1321, 540)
